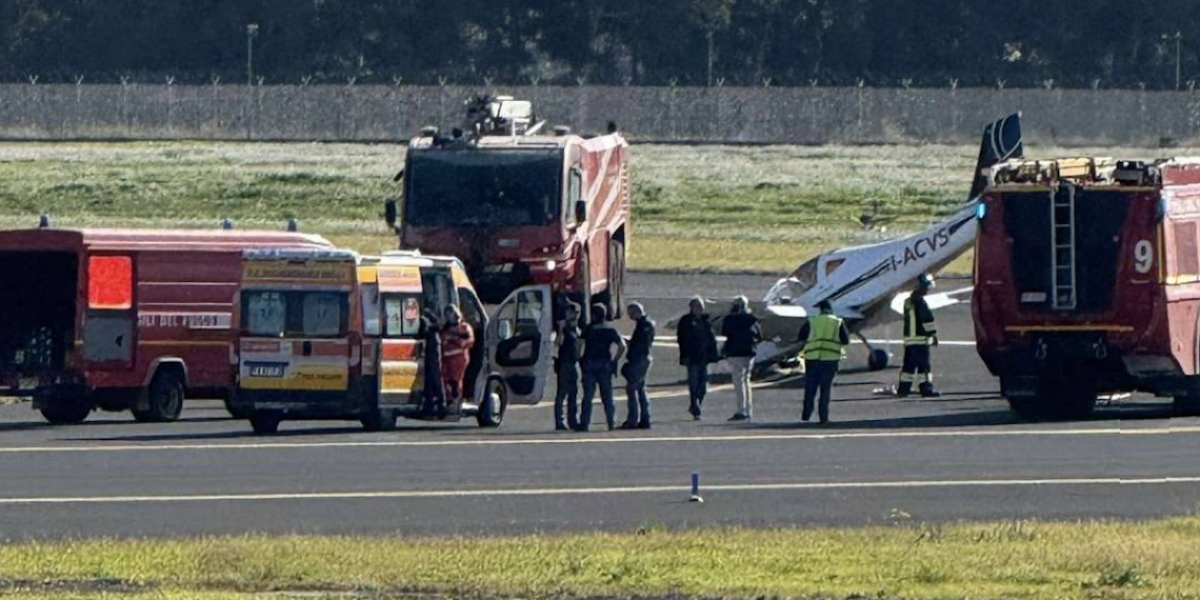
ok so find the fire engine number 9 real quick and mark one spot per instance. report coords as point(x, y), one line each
point(1143, 256)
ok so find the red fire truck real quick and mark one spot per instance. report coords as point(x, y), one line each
point(520, 207)
point(122, 319)
point(1088, 282)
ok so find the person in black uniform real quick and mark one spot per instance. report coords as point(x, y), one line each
point(603, 347)
point(638, 361)
point(920, 335)
point(566, 366)
point(433, 400)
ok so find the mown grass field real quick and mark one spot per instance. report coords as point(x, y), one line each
point(993, 560)
point(709, 207)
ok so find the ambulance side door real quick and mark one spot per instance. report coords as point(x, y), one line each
point(520, 345)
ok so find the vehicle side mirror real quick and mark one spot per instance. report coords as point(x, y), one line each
point(391, 213)
point(581, 211)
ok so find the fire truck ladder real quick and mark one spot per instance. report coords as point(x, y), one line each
point(1062, 218)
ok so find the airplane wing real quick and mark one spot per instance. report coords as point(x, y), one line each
point(935, 301)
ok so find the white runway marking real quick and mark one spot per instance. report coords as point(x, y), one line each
point(573, 439)
point(652, 489)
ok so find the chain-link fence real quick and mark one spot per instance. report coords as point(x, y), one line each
point(854, 115)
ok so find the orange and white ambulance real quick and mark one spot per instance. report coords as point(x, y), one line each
point(328, 335)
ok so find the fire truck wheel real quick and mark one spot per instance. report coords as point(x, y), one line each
point(614, 296)
point(166, 399)
point(66, 413)
point(583, 286)
point(265, 423)
point(493, 405)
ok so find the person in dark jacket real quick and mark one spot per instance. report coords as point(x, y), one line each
point(697, 349)
point(825, 338)
point(742, 335)
point(603, 347)
point(433, 399)
point(566, 367)
point(638, 360)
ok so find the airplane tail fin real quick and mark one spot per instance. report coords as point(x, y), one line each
point(1001, 141)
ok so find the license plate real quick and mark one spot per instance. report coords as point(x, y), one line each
point(275, 371)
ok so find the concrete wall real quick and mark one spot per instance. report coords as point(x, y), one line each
point(747, 115)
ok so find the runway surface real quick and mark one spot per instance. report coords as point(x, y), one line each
point(963, 456)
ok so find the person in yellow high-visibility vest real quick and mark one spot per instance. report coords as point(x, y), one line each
point(920, 334)
point(825, 338)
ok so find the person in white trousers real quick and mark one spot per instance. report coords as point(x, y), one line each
point(742, 335)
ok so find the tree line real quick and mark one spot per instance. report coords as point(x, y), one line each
point(920, 43)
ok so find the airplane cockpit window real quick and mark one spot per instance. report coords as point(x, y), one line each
point(806, 275)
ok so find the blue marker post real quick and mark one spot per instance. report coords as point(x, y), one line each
point(696, 489)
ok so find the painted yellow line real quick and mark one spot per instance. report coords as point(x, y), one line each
point(625, 490)
point(576, 440)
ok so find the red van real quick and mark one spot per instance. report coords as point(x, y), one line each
point(123, 319)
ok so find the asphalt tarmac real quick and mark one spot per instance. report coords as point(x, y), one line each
point(882, 460)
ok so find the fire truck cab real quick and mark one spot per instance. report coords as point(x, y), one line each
point(330, 335)
point(520, 206)
point(123, 319)
point(1087, 279)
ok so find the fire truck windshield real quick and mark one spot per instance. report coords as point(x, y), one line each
point(492, 188)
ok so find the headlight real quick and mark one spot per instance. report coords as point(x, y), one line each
point(550, 265)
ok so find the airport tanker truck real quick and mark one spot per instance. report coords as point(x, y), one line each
point(1088, 282)
point(520, 206)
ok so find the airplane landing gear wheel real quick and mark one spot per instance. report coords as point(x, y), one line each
point(879, 360)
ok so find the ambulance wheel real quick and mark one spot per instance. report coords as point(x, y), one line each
point(166, 400)
point(380, 420)
point(66, 413)
point(265, 423)
point(493, 405)
point(236, 410)
point(878, 360)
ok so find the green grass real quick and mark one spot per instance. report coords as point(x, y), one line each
point(708, 207)
point(1159, 559)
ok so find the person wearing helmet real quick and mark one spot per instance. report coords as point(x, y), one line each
point(825, 338)
point(920, 334)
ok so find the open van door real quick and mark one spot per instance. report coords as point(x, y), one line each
point(519, 344)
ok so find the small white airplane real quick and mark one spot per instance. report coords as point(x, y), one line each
point(867, 285)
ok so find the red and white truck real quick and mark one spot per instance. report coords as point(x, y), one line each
point(123, 319)
point(518, 206)
point(1087, 275)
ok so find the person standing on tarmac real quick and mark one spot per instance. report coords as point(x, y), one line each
point(638, 361)
point(742, 335)
point(920, 335)
point(433, 401)
point(600, 366)
point(457, 340)
point(825, 338)
point(566, 367)
point(697, 349)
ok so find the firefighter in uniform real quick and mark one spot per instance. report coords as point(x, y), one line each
point(920, 335)
point(825, 338)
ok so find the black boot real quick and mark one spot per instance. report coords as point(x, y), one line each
point(928, 391)
point(904, 389)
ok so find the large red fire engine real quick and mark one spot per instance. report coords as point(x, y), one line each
point(1088, 282)
point(520, 207)
point(123, 319)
